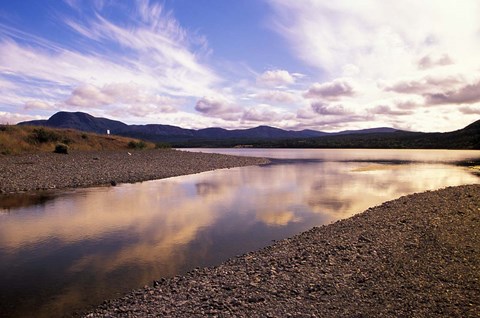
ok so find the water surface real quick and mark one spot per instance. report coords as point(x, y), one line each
point(63, 251)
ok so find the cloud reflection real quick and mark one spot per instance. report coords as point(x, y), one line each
point(123, 237)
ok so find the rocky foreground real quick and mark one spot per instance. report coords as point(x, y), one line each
point(42, 171)
point(418, 256)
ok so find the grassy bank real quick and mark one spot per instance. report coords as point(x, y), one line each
point(28, 139)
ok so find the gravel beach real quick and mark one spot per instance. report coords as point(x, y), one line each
point(43, 171)
point(417, 256)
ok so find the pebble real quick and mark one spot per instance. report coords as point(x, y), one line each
point(43, 171)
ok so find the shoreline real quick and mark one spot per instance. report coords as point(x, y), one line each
point(416, 256)
point(80, 169)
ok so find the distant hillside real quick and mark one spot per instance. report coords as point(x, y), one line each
point(30, 139)
point(265, 136)
point(466, 138)
point(177, 135)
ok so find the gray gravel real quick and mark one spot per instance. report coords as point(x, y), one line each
point(418, 256)
point(82, 169)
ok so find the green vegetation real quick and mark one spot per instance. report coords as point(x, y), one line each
point(162, 145)
point(61, 148)
point(27, 139)
point(466, 138)
point(137, 144)
point(42, 135)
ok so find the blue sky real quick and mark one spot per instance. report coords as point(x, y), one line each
point(306, 64)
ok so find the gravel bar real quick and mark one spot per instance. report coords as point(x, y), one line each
point(417, 256)
point(43, 171)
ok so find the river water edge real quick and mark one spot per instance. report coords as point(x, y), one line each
point(62, 251)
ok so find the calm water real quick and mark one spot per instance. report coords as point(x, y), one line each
point(64, 251)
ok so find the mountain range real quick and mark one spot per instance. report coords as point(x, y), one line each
point(265, 136)
point(166, 133)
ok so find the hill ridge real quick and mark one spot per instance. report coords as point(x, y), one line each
point(168, 133)
point(266, 136)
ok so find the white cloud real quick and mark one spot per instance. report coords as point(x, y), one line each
point(428, 61)
point(425, 85)
point(276, 96)
point(381, 38)
point(217, 106)
point(467, 94)
point(470, 110)
point(371, 56)
point(388, 110)
point(13, 118)
point(266, 114)
point(418, 52)
point(322, 108)
point(275, 78)
point(332, 90)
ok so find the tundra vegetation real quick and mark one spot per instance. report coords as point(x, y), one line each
point(29, 139)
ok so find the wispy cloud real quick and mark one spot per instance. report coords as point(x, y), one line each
point(150, 61)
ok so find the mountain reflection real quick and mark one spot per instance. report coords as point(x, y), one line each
point(10, 202)
point(91, 244)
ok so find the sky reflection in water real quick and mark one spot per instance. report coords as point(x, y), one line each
point(71, 249)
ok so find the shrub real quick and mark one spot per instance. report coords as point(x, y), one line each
point(137, 145)
point(61, 148)
point(163, 145)
point(41, 135)
point(67, 141)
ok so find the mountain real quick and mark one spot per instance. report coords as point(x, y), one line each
point(368, 131)
point(265, 136)
point(167, 133)
point(80, 121)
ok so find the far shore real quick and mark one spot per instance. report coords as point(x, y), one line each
point(44, 171)
point(417, 256)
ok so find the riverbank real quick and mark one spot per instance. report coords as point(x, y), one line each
point(417, 256)
point(41, 171)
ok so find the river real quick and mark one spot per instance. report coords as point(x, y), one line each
point(63, 251)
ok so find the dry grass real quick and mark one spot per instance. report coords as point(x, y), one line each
point(28, 139)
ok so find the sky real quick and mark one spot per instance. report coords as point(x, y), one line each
point(304, 64)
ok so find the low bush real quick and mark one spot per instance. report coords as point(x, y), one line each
point(137, 145)
point(41, 135)
point(163, 145)
point(61, 148)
